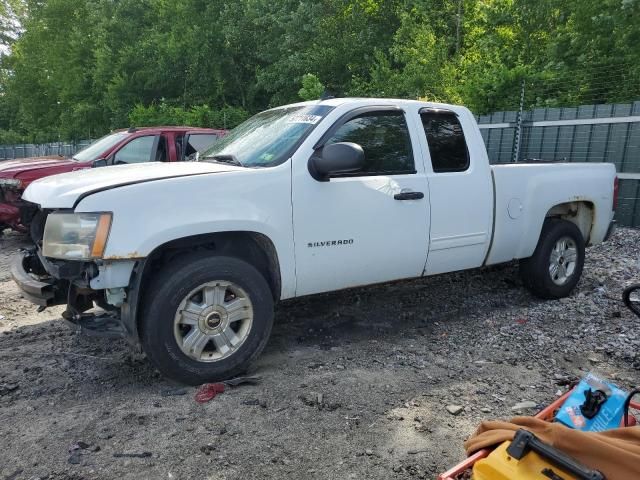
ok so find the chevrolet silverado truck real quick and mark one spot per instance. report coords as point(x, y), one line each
point(188, 259)
point(159, 144)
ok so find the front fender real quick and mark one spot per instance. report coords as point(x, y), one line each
point(148, 215)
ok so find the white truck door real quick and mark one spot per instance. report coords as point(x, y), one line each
point(461, 191)
point(365, 227)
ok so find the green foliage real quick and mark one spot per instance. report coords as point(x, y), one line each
point(312, 88)
point(162, 114)
point(196, 116)
point(9, 137)
point(11, 12)
point(415, 66)
point(82, 67)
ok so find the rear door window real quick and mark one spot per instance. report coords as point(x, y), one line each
point(447, 145)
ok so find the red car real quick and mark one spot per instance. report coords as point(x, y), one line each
point(150, 144)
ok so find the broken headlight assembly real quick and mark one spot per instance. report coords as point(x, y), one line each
point(76, 236)
point(10, 182)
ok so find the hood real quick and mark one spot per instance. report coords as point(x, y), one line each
point(13, 168)
point(63, 191)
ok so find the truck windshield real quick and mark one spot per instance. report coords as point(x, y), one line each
point(97, 148)
point(268, 138)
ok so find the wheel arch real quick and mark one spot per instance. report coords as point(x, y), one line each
point(580, 213)
point(253, 247)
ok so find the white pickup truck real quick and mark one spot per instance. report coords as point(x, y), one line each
point(188, 259)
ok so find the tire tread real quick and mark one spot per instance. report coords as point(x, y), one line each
point(534, 271)
point(160, 303)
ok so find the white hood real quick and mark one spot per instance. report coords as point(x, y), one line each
point(63, 190)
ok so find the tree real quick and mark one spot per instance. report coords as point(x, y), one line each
point(77, 68)
point(11, 14)
point(312, 88)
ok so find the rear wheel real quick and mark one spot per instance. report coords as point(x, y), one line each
point(556, 265)
point(206, 318)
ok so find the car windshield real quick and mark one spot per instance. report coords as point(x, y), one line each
point(268, 138)
point(97, 148)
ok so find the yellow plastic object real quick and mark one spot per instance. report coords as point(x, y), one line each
point(500, 466)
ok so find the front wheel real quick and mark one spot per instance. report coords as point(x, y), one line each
point(555, 267)
point(206, 318)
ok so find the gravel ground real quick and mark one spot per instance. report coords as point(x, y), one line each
point(354, 384)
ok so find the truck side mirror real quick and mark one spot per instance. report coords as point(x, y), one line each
point(101, 162)
point(343, 157)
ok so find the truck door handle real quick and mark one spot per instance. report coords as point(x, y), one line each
point(409, 196)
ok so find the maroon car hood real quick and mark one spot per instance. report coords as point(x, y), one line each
point(53, 165)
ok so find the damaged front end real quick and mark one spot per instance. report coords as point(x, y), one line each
point(15, 212)
point(96, 311)
point(36, 284)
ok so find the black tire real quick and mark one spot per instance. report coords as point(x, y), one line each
point(630, 302)
point(36, 226)
point(535, 270)
point(167, 291)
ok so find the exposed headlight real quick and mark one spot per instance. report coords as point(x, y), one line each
point(76, 236)
point(10, 182)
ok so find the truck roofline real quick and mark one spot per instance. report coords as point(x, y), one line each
point(172, 128)
point(336, 102)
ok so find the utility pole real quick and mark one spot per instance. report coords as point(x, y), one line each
point(517, 141)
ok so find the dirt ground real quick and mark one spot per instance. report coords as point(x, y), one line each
point(354, 384)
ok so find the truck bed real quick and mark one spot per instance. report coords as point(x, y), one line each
point(526, 192)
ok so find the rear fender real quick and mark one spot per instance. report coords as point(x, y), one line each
point(527, 194)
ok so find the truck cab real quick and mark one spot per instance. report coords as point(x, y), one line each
point(409, 200)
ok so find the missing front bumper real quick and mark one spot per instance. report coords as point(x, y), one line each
point(47, 284)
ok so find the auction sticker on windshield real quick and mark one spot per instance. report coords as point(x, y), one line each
point(304, 118)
